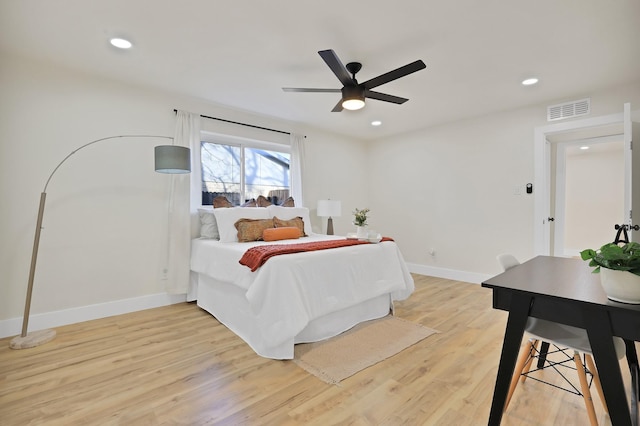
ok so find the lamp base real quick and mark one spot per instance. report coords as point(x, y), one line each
point(33, 339)
point(330, 226)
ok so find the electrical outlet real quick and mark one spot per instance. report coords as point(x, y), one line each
point(432, 252)
point(164, 274)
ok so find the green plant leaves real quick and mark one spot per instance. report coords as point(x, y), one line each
point(614, 256)
point(360, 217)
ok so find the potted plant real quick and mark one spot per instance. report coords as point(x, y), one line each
point(619, 267)
point(360, 220)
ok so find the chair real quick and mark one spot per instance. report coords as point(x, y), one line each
point(563, 337)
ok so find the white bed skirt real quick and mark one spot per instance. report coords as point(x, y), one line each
point(227, 302)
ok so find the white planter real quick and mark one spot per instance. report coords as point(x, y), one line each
point(361, 232)
point(620, 286)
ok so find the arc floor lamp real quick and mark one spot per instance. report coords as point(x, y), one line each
point(171, 159)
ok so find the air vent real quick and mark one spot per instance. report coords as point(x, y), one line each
point(569, 109)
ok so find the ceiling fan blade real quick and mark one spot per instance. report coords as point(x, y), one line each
point(336, 66)
point(302, 89)
point(338, 107)
point(394, 75)
point(384, 97)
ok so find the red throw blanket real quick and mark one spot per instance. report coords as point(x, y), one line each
point(255, 257)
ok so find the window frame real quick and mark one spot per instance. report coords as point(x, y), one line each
point(242, 143)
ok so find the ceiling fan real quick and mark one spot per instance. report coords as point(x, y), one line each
point(354, 93)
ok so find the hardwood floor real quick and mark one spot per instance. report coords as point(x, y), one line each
point(178, 365)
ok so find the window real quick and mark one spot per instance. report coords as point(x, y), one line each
point(242, 172)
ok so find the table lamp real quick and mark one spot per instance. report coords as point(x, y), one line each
point(330, 208)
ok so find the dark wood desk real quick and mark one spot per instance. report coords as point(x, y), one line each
point(565, 291)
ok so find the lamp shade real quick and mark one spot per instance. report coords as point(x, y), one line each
point(172, 159)
point(329, 208)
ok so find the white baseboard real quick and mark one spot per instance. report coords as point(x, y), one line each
point(13, 326)
point(450, 274)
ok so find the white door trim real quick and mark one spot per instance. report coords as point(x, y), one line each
point(628, 162)
point(559, 213)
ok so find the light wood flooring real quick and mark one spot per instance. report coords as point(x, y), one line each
point(177, 365)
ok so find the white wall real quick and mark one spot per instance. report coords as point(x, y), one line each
point(104, 240)
point(452, 188)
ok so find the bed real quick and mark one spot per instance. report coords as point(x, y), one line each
point(292, 298)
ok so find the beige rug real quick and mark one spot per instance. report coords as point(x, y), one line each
point(364, 345)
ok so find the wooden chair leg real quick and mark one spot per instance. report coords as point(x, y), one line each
point(522, 360)
point(527, 366)
point(586, 393)
point(596, 380)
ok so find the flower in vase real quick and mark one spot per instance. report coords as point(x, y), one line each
point(360, 217)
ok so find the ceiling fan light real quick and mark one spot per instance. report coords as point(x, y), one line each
point(353, 104)
point(352, 97)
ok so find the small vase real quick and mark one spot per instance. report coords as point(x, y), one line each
point(620, 286)
point(361, 232)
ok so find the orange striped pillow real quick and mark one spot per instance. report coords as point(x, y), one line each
point(284, 233)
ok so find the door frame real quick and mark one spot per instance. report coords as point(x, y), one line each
point(542, 173)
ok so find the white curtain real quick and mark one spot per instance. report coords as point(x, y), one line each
point(297, 164)
point(181, 205)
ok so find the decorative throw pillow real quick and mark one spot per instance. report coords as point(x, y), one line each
point(221, 201)
point(286, 213)
point(252, 229)
point(276, 234)
point(226, 219)
point(262, 201)
point(208, 224)
point(250, 203)
point(296, 222)
point(288, 203)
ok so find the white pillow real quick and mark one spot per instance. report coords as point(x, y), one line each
point(227, 217)
point(286, 213)
point(208, 224)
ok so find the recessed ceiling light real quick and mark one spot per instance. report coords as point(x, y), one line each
point(121, 43)
point(529, 81)
point(584, 147)
point(376, 122)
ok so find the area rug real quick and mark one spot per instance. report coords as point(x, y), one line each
point(366, 344)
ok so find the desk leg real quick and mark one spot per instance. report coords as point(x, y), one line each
point(634, 369)
point(601, 340)
point(518, 314)
point(544, 350)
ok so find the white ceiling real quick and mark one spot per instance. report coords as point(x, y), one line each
point(241, 53)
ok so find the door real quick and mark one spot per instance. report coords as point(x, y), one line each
point(632, 180)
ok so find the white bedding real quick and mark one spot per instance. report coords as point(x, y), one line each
point(290, 291)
